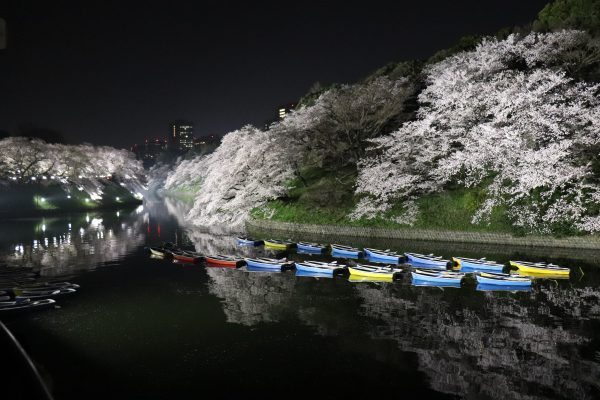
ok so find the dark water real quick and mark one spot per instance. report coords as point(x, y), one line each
point(146, 328)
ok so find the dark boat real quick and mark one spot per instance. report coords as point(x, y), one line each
point(26, 305)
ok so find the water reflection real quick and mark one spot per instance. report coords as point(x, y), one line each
point(62, 245)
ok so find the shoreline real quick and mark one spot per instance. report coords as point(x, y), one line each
point(33, 213)
point(443, 236)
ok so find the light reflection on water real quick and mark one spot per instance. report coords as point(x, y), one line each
point(538, 344)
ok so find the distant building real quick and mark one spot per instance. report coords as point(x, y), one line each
point(284, 110)
point(154, 147)
point(181, 135)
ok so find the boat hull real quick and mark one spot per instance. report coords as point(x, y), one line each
point(426, 263)
point(335, 252)
point(309, 249)
point(277, 246)
point(368, 274)
point(482, 287)
point(475, 267)
point(316, 270)
point(382, 257)
point(264, 266)
point(435, 279)
point(223, 263)
point(502, 282)
point(540, 270)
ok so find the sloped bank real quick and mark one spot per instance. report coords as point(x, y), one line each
point(580, 242)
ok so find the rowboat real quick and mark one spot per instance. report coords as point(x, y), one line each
point(484, 287)
point(187, 256)
point(278, 244)
point(419, 275)
point(220, 260)
point(310, 247)
point(490, 278)
point(540, 268)
point(475, 265)
point(382, 255)
point(41, 294)
point(542, 275)
point(319, 267)
point(373, 279)
point(246, 241)
point(26, 305)
point(370, 271)
point(338, 250)
point(427, 261)
point(159, 251)
point(269, 263)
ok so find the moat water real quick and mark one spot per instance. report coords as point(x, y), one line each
point(141, 327)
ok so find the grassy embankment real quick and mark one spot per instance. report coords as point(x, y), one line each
point(327, 198)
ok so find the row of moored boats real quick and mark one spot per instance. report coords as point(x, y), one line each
point(22, 290)
point(424, 269)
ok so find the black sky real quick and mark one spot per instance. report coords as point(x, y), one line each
point(116, 72)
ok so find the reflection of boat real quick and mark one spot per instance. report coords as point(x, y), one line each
point(358, 278)
point(318, 267)
point(540, 275)
point(246, 241)
point(419, 275)
point(26, 305)
point(269, 263)
point(490, 278)
point(311, 247)
point(338, 250)
point(502, 288)
point(474, 265)
point(278, 244)
point(436, 284)
point(370, 271)
point(540, 268)
point(427, 261)
point(382, 255)
point(224, 261)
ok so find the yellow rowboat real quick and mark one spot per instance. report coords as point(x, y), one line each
point(542, 275)
point(540, 268)
point(367, 271)
point(278, 244)
point(356, 278)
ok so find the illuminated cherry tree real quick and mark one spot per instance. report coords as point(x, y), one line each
point(506, 116)
point(25, 160)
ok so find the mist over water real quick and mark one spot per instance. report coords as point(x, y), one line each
point(150, 328)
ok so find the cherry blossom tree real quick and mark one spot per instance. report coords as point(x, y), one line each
point(507, 116)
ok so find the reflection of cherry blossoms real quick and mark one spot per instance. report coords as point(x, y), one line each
point(78, 248)
point(495, 348)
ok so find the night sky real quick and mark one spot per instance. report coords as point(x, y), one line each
point(117, 72)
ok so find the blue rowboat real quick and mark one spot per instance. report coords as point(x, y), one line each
point(338, 250)
point(475, 265)
point(269, 263)
point(483, 287)
point(317, 267)
point(313, 274)
point(419, 275)
point(310, 247)
point(246, 241)
point(426, 261)
point(490, 278)
point(382, 255)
